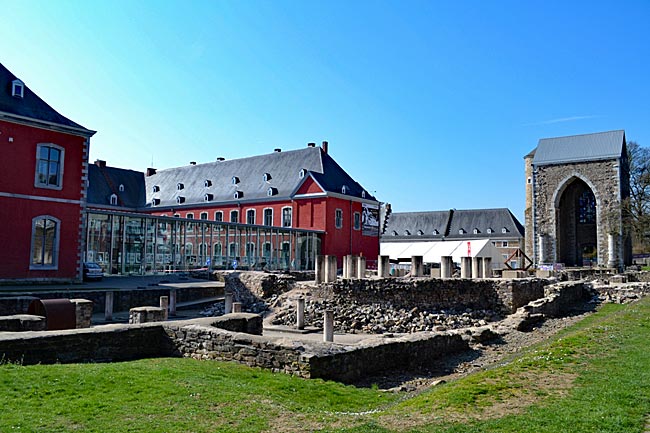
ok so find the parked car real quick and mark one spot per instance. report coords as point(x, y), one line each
point(92, 271)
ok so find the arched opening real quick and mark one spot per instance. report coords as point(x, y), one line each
point(577, 238)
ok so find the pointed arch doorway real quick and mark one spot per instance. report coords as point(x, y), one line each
point(577, 225)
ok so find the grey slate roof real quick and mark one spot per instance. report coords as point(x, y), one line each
point(579, 148)
point(449, 223)
point(31, 106)
point(283, 167)
point(105, 181)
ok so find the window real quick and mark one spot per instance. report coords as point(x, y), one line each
point(121, 188)
point(461, 231)
point(179, 186)
point(504, 230)
point(490, 231)
point(45, 242)
point(208, 197)
point(204, 215)
point(113, 200)
point(268, 217)
point(302, 173)
point(267, 177)
point(156, 188)
point(207, 183)
point(238, 194)
point(344, 189)
point(49, 166)
point(395, 233)
point(218, 216)
point(504, 243)
point(420, 233)
point(587, 208)
point(190, 226)
point(232, 250)
point(271, 191)
point(234, 216)
point(363, 194)
point(180, 199)
point(338, 218)
point(436, 232)
point(250, 216)
point(266, 250)
point(286, 216)
point(407, 233)
point(216, 250)
point(235, 180)
point(529, 180)
point(357, 221)
point(476, 231)
point(17, 88)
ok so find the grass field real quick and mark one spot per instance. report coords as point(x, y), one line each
point(593, 377)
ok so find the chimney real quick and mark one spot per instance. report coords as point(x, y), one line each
point(311, 144)
point(277, 150)
point(220, 158)
point(325, 146)
point(192, 162)
point(100, 163)
point(151, 171)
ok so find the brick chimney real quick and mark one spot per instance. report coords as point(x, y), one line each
point(311, 144)
point(100, 163)
point(151, 171)
point(325, 146)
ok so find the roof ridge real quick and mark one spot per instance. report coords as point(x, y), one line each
point(582, 135)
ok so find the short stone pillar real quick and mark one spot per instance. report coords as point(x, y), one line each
point(328, 326)
point(83, 311)
point(164, 304)
point(466, 267)
point(345, 266)
point(172, 302)
point(477, 267)
point(417, 266)
point(351, 266)
point(435, 272)
point(300, 313)
point(108, 306)
point(320, 269)
point(611, 248)
point(446, 267)
point(227, 307)
point(361, 267)
point(145, 315)
point(487, 267)
point(383, 266)
point(236, 307)
point(330, 269)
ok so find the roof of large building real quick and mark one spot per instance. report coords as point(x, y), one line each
point(453, 225)
point(30, 106)
point(127, 185)
point(277, 175)
point(579, 148)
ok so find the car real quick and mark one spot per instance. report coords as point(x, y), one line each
point(92, 271)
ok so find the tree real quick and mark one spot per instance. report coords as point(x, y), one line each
point(638, 205)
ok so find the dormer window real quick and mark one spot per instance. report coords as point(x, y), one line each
point(235, 180)
point(420, 233)
point(363, 194)
point(155, 201)
point(179, 186)
point(394, 232)
point(344, 189)
point(407, 233)
point(155, 188)
point(113, 200)
point(208, 197)
point(207, 183)
point(302, 173)
point(504, 230)
point(490, 231)
point(461, 232)
point(17, 89)
point(180, 199)
point(476, 231)
point(435, 232)
point(271, 192)
point(121, 188)
point(238, 194)
point(267, 177)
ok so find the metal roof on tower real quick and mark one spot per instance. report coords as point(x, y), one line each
point(580, 148)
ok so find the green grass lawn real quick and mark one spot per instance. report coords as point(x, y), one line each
point(593, 377)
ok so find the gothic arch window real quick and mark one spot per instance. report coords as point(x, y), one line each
point(587, 208)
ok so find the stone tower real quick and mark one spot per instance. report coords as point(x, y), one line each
point(575, 187)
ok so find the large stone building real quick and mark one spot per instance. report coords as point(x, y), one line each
point(575, 188)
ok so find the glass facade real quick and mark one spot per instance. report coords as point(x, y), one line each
point(137, 244)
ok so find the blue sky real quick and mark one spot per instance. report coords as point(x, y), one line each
point(432, 105)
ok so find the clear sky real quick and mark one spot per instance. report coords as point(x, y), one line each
point(430, 104)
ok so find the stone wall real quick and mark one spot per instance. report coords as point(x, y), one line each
point(251, 287)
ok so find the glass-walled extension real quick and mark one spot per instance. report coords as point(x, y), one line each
point(136, 244)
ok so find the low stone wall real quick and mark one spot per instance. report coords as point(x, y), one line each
point(22, 322)
point(12, 305)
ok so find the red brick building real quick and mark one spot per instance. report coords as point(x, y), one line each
point(43, 181)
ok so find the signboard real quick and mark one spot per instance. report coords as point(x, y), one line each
point(369, 220)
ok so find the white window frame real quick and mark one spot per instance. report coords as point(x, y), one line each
point(203, 216)
point(284, 222)
point(190, 225)
point(338, 218)
point(356, 217)
point(113, 199)
point(264, 222)
point(55, 245)
point(121, 187)
point(219, 212)
point(248, 211)
point(18, 88)
point(47, 185)
point(234, 212)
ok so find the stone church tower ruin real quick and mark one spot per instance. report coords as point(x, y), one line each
point(575, 188)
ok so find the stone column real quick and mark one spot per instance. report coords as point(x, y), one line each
point(361, 267)
point(330, 269)
point(164, 304)
point(300, 313)
point(352, 266)
point(466, 267)
point(487, 267)
point(328, 326)
point(236, 307)
point(383, 267)
point(108, 306)
point(83, 312)
point(172, 302)
point(345, 267)
point(477, 269)
point(541, 250)
point(446, 267)
point(611, 248)
point(417, 266)
point(320, 269)
point(228, 304)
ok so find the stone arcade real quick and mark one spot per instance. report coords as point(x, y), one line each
point(575, 188)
